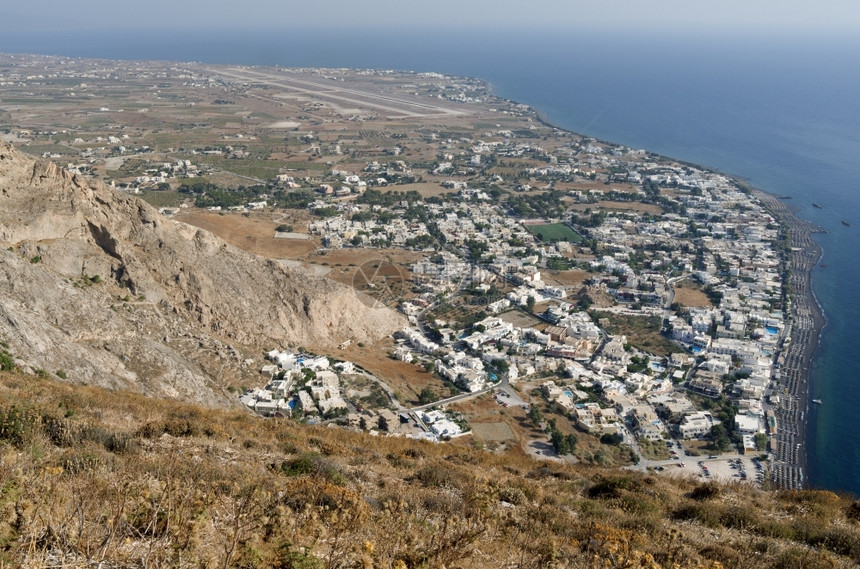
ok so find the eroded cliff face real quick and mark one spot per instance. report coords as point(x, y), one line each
point(166, 309)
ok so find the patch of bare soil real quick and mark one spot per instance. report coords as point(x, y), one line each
point(491, 421)
point(619, 206)
point(492, 432)
point(406, 379)
point(254, 234)
point(689, 296)
point(565, 278)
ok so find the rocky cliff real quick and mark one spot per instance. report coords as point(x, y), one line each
point(99, 285)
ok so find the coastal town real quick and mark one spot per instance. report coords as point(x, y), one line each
point(599, 302)
point(728, 351)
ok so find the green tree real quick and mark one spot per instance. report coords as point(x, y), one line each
point(559, 442)
point(611, 439)
point(426, 396)
point(721, 440)
point(535, 415)
point(382, 423)
point(530, 303)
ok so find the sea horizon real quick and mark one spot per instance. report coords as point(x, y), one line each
point(778, 113)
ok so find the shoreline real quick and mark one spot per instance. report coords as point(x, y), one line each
point(791, 379)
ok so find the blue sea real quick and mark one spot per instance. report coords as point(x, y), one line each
point(780, 111)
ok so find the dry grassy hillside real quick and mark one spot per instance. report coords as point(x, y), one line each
point(90, 477)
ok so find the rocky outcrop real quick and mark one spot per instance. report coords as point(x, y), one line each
point(98, 284)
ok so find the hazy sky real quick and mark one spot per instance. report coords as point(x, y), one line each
point(803, 16)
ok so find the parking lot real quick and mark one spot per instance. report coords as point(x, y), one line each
point(723, 469)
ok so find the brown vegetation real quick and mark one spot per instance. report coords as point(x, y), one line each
point(688, 294)
point(348, 265)
point(406, 379)
point(92, 477)
point(642, 332)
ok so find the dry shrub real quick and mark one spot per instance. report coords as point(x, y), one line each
point(642, 522)
point(60, 431)
point(172, 427)
point(739, 517)
point(80, 460)
point(852, 512)
point(614, 547)
point(820, 503)
point(694, 511)
point(822, 497)
point(18, 425)
point(777, 529)
point(444, 503)
point(707, 491)
point(215, 431)
point(327, 447)
point(440, 475)
point(513, 470)
point(636, 503)
point(414, 452)
point(512, 495)
point(83, 490)
point(841, 540)
point(611, 487)
point(728, 556)
point(464, 458)
point(312, 464)
point(398, 461)
point(796, 558)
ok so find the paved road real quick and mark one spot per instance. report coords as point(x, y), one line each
point(454, 399)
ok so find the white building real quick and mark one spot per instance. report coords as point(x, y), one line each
point(696, 424)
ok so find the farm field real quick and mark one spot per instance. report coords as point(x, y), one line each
point(554, 232)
